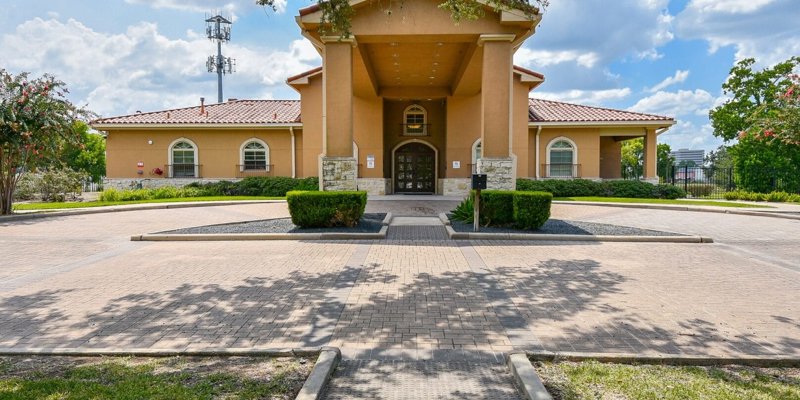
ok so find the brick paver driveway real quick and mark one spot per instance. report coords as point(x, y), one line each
point(79, 282)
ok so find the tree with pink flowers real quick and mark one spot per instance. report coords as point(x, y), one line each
point(36, 122)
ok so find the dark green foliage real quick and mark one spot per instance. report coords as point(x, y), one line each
point(497, 207)
point(326, 209)
point(465, 211)
point(587, 188)
point(276, 186)
point(531, 209)
point(562, 187)
point(663, 191)
point(633, 189)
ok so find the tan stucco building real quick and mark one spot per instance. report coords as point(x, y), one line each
point(410, 103)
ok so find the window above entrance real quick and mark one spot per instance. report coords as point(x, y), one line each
point(415, 121)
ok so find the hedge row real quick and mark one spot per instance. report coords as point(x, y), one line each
point(166, 192)
point(775, 197)
point(524, 210)
point(326, 209)
point(587, 188)
point(276, 186)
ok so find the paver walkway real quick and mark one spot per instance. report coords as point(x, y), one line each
point(79, 282)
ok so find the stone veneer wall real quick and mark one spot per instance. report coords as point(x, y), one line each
point(338, 173)
point(456, 186)
point(154, 183)
point(374, 186)
point(499, 173)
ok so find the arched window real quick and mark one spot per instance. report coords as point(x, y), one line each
point(255, 156)
point(415, 121)
point(183, 156)
point(561, 156)
point(477, 150)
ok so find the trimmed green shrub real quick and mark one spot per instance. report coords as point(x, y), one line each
point(794, 198)
point(275, 186)
point(778, 197)
point(672, 192)
point(497, 207)
point(531, 209)
point(326, 209)
point(166, 192)
point(630, 189)
point(136, 194)
point(562, 187)
point(701, 189)
point(109, 195)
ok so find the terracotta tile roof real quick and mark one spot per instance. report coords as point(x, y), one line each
point(540, 110)
point(232, 112)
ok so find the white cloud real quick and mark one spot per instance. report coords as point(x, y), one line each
point(679, 77)
point(689, 135)
point(763, 29)
point(729, 6)
point(544, 58)
point(142, 69)
point(682, 102)
point(587, 97)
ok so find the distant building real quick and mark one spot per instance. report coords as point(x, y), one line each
point(696, 156)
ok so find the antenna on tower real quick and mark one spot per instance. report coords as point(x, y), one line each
point(218, 29)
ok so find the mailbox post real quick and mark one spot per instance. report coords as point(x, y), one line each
point(478, 183)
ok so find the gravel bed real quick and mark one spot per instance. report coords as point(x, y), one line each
point(561, 227)
point(369, 223)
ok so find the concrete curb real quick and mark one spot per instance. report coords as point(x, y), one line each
point(526, 378)
point(667, 359)
point(229, 237)
point(752, 213)
point(123, 208)
point(55, 351)
point(328, 359)
point(574, 238)
point(444, 219)
point(387, 220)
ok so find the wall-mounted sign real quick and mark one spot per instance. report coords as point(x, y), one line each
point(370, 161)
point(456, 164)
point(140, 164)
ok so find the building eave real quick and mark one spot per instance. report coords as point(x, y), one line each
point(196, 126)
point(604, 124)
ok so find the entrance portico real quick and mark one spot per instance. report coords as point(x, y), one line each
point(459, 80)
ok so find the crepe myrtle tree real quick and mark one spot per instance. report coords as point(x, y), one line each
point(337, 14)
point(36, 122)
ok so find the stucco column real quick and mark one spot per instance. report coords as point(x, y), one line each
point(338, 167)
point(497, 161)
point(650, 155)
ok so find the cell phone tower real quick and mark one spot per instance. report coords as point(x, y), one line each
point(218, 29)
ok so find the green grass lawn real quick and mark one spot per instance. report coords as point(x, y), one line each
point(662, 201)
point(593, 380)
point(86, 204)
point(141, 378)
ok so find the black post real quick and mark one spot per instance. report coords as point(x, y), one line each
point(730, 179)
point(686, 178)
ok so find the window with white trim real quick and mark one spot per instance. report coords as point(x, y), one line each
point(415, 121)
point(562, 160)
point(255, 157)
point(183, 160)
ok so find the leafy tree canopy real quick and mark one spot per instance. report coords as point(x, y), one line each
point(88, 156)
point(36, 122)
point(337, 14)
point(754, 95)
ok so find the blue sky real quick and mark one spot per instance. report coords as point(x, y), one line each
point(656, 56)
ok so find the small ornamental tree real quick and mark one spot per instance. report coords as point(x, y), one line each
point(36, 122)
point(781, 121)
point(337, 14)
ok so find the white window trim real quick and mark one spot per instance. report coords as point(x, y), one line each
point(424, 121)
point(474, 156)
point(241, 152)
point(196, 155)
point(574, 156)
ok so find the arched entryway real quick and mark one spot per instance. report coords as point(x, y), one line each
point(414, 168)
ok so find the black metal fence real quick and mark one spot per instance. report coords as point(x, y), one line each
point(709, 182)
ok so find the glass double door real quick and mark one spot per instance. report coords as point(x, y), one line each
point(415, 169)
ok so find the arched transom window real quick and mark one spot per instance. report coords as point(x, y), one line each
point(255, 156)
point(415, 121)
point(561, 159)
point(184, 159)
